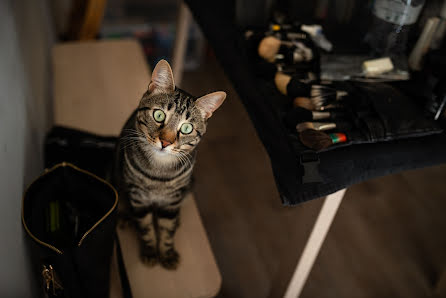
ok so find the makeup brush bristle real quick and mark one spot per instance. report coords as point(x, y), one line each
point(300, 127)
point(322, 94)
point(268, 48)
point(314, 139)
point(282, 81)
point(303, 102)
point(319, 140)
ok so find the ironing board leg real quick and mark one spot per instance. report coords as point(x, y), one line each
point(179, 50)
point(314, 243)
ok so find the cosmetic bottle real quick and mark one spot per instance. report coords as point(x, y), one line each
point(391, 22)
point(436, 105)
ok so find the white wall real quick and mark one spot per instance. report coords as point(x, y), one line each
point(25, 39)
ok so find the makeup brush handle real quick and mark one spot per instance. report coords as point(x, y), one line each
point(321, 115)
point(344, 126)
point(287, 43)
point(335, 114)
point(340, 94)
point(330, 106)
point(316, 126)
point(324, 126)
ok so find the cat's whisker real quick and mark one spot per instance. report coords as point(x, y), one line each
point(128, 142)
point(181, 162)
point(127, 146)
point(126, 138)
point(132, 136)
point(133, 132)
point(184, 157)
point(129, 138)
point(180, 158)
point(187, 157)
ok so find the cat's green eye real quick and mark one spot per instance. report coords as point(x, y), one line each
point(186, 128)
point(159, 116)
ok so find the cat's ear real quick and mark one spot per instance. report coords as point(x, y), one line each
point(162, 78)
point(209, 103)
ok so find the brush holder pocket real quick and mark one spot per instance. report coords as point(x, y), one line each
point(291, 161)
point(380, 112)
point(375, 112)
point(398, 115)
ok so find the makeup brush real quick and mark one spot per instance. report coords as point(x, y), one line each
point(319, 140)
point(298, 115)
point(292, 85)
point(322, 126)
point(269, 47)
point(303, 102)
point(282, 80)
point(321, 95)
point(307, 103)
point(272, 49)
point(321, 90)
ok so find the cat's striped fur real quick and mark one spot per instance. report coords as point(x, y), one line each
point(155, 159)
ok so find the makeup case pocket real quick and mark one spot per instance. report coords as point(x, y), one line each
point(399, 115)
point(379, 112)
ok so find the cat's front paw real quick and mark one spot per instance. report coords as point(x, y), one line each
point(149, 255)
point(170, 259)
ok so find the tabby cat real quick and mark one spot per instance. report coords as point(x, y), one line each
point(154, 161)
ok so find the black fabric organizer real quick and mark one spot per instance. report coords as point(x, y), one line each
point(324, 172)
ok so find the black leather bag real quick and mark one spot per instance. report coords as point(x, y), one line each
point(88, 151)
point(69, 215)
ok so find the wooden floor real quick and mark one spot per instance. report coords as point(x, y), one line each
point(387, 240)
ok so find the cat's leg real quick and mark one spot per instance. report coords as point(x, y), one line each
point(145, 225)
point(168, 221)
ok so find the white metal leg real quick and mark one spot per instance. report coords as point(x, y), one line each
point(314, 243)
point(179, 50)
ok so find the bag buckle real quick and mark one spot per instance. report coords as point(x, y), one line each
point(51, 280)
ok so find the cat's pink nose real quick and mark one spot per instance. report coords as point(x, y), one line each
point(165, 143)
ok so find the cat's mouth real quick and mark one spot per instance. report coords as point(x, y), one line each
point(165, 151)
point(158, 148)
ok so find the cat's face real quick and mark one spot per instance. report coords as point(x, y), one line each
point(171, 120)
